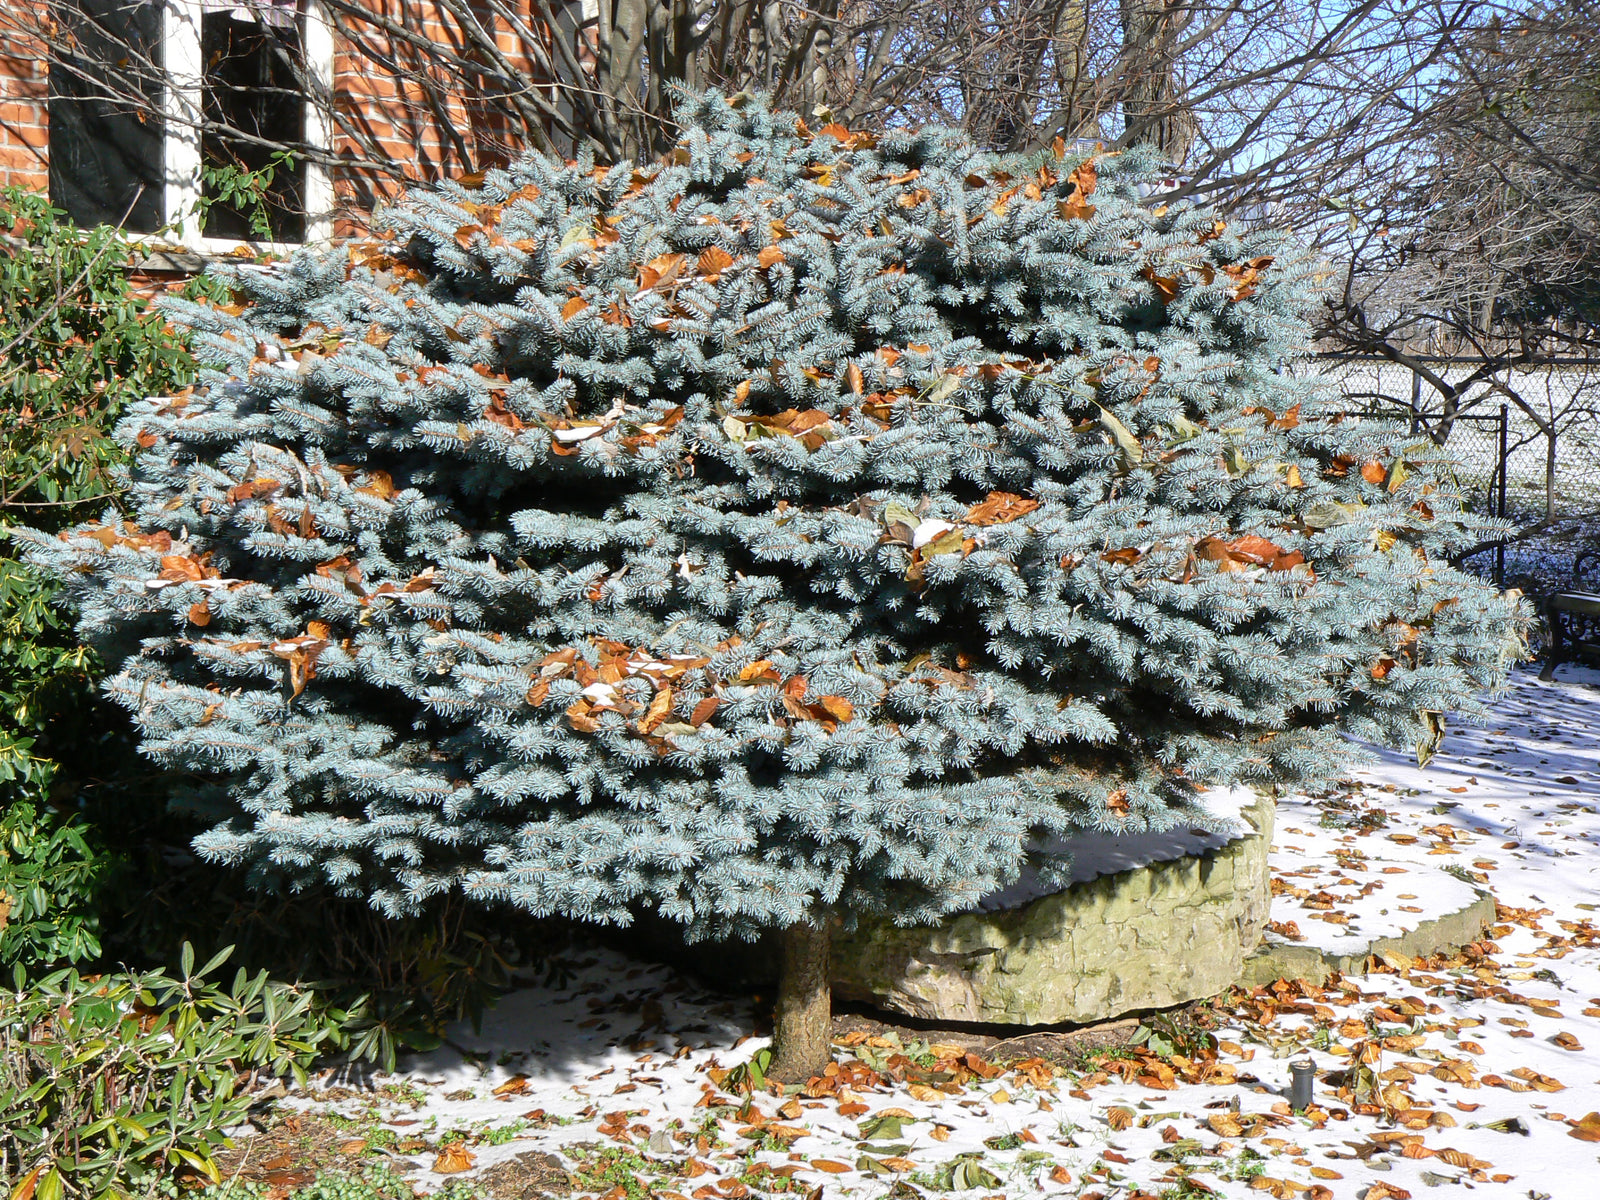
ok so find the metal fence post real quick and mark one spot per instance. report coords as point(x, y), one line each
point(1500, 499)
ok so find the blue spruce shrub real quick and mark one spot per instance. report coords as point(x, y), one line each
point(809, 522)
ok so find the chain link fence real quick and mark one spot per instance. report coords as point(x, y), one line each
point(1527, 440)
point(1551, 452)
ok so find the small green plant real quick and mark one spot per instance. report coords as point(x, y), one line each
point(608, 1169)
point(1165, 1035)
point(1177, 1152)
point(1104, 1054)
point(404, 1092)
point(919, 1052)
point(107, 1083)
point(748, 1076)
point(369, 1128)
point(710, 1129)
point(78, 342)
point(499, 1135)
point(1067, 1131)
point(1247, 1164)
point(375, 1182)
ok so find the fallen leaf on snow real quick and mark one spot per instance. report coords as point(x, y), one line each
point(452, 1160)
point(1586, 1128)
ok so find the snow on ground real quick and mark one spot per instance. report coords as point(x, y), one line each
point(1434, 1077)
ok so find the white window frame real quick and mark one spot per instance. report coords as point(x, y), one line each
point(183, 73)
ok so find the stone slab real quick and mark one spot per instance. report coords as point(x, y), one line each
point(1150, 937)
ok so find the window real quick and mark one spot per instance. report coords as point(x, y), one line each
point(252, 97)
point(155, 104)
point(105, 132)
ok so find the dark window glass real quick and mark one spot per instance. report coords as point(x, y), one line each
point(105, 131)
point(252, 91)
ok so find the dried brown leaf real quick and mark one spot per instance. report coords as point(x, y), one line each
point(452, 1160)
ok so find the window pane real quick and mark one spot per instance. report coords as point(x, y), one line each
point(105, 131)
point(252, 91)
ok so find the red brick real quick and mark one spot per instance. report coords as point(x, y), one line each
point(22, 113)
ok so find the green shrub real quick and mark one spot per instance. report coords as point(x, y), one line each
point(77, 344)
point(52, 872)
point(108, 1083)
point(422, 972)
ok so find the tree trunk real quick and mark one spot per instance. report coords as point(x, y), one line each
point(1152, 110)
point(802, 1036)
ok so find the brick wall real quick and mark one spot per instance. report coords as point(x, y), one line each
point(24, 138)
point(393, 101)
point(426, 114)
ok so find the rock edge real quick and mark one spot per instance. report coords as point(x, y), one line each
point(1451, 931)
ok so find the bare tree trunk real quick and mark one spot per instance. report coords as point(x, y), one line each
point(1152, 106)
point(803, 1023)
